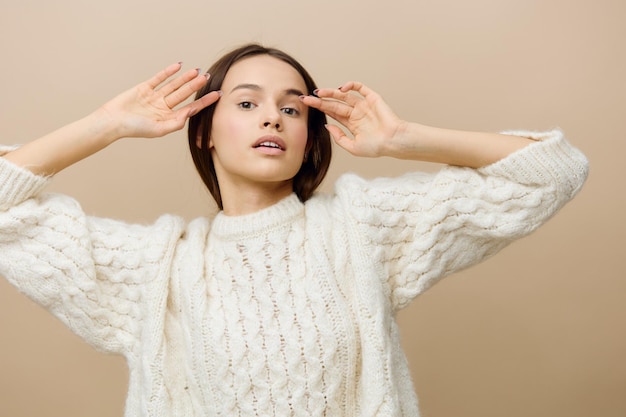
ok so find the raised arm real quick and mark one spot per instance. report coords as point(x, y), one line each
point(424, 226)
point(146, 110)
point(377, 131)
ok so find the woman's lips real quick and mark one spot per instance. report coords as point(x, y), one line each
point(270, 144)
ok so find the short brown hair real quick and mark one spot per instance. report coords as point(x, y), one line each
point(318, 149)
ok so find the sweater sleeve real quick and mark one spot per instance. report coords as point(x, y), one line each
point(421, 227)
point(91, 273)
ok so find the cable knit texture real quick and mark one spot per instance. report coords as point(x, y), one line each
point(285, 312)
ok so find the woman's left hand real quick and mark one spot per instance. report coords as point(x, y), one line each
point(363, 112)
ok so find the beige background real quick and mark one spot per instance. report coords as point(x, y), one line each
point(537, 331)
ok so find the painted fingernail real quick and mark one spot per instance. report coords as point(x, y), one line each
point(220, 93)
point(301, 97)
point(316, 91)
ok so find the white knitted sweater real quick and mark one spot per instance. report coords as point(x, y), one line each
point(285, 312)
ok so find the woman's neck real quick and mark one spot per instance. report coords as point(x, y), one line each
point(249, 198)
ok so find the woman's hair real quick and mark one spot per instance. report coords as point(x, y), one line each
point(318, 149)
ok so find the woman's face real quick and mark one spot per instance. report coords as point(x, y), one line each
point(260, 126)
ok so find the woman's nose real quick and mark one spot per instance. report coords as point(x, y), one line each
point(272, 123)
point(272, 119)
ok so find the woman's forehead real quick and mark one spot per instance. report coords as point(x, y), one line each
point(264, 71)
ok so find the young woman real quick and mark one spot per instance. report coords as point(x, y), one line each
point(284, 303)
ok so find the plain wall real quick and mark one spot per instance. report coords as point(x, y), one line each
point(538, 330)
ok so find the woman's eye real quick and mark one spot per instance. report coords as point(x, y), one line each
point(290, 111)
point(246, 105)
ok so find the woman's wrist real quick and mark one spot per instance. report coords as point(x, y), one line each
point(407, 142)
point(103, 127)
point(454, 147)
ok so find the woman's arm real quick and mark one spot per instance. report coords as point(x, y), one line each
point(146, 110)
point(91, 273)
point(377, 131)
point(421, 227)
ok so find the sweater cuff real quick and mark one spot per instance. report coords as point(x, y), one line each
point(551, 159)
point(17, 184)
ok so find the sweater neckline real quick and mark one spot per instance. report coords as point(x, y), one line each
point(235, 227)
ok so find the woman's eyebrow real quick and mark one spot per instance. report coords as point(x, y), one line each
point(293, 92)
point(256, 87)
point(247, 87)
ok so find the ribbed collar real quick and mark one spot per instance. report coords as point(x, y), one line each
point(284, 212)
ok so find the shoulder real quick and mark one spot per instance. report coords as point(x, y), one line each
point(357, 197)
point(362, 196)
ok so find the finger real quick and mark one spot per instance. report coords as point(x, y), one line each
point(169, 126)
point(178, 119)
point(335, 109)
point(178, 82)
point(340, 137)
point(201, 103)
point(311, 101)
point(186, 91)
point(164, 74)
point(336, 94)
point(357, 86)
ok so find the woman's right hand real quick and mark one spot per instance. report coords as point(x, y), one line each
point(149, 109)
point(146, 110)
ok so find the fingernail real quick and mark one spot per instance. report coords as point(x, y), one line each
point(199, 70)
point(316, 91)
point(220, 93)
point(207, 75)
point(301, 97)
